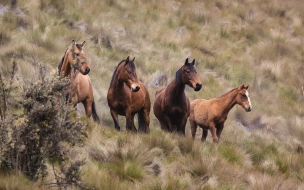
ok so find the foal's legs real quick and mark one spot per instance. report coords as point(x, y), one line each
point(115, 119)
point(213, 132)
point(219, 129)
point(193, 128)
point(204, 135)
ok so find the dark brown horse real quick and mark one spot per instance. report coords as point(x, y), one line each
point(128, 96)
point(171, 105)
point(75, 66)
point(212, 114)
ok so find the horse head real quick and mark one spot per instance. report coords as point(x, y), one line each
point(243, 98)
point(128, 75)
point(189, 75)
point(77, 59)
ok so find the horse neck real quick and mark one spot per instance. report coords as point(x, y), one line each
point(176, 89)
point(116, 84)
point(66, 66)
point(228, 100)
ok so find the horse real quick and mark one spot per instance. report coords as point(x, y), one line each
point(128, 96)
point(212, 114)
point(75, 66)
point(171, 106)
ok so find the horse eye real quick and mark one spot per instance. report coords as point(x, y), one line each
point(77, 54)
point(187, 71)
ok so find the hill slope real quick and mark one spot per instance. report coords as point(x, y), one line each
point(234, 42)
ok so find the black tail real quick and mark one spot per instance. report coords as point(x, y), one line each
point(142, 123)
point(94, 113)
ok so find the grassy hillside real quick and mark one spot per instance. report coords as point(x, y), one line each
point(256, 42)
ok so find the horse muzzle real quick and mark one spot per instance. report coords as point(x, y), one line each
point(135, 88)
point(197, 87)
point(86, 71)
point(248, 109)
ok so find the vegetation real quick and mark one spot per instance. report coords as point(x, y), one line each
point(46, 144)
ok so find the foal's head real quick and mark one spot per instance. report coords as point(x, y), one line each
point(128, 74)
point(76, 58)
point(189, 75)
point(243, 97)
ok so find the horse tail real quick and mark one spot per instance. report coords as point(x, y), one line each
point(94, 113)
point(141, 122)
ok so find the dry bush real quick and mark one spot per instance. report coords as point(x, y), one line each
point(45, 132)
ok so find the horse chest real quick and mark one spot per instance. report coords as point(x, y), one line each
point(221, 119)
point(176, 111)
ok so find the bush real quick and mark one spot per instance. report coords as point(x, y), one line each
point(45, 132)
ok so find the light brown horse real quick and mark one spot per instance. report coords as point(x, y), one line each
point(128, 96)
point(75, 66)
point(212, 114)
point(171, 106)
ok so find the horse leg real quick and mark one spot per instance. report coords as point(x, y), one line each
point(88, 107)
point(115, 119)
point(204, 135)
point(130, 121)
point(193, 128)
point(213, 132)
point(219, 130)
point(164, 126)
point(144, 120)
point(181, 127)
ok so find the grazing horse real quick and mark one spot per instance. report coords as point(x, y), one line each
point(75, 66)
point(212, 114)
point(171, 106)
point(128, 96)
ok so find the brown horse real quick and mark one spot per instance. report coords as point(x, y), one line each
point(171, 106)
point(128, 96)
point(75, 66)
point(212, 114)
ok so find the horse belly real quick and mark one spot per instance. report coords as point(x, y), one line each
point(200, 112)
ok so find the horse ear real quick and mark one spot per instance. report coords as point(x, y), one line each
point(127, 60)
point(186, 61)
point(82, 43)
point(73, 42)
point(133, 59)
point(193, 62)
point(247, 86)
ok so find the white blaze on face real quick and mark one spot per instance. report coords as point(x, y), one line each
point(134, 87)
point(247, 94)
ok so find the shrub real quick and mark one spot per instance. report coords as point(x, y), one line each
point(45, 132)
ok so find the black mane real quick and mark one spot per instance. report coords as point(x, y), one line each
point(61, 62)
point(131, 65)
point(178, 75)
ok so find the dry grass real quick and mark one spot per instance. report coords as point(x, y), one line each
point(253, 42)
